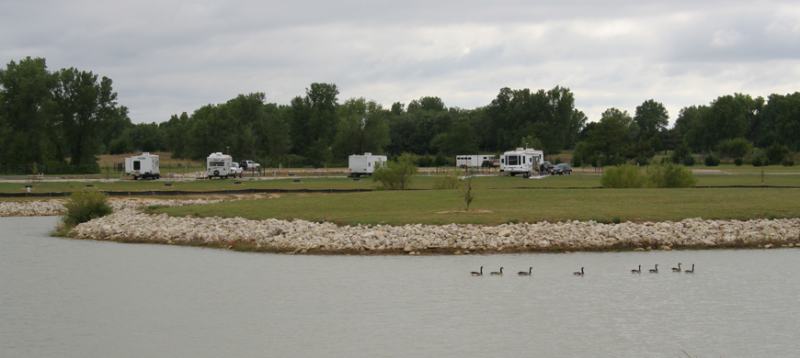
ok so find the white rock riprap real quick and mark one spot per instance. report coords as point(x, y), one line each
point(56, 207)
point(305, 235)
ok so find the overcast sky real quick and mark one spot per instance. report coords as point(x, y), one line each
point(166, 57)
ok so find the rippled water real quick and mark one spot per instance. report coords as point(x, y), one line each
point(61, 297)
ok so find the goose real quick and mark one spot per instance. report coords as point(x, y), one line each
point(476, 273)
point(677, 269)
point(637, 271)
point(654, 270)
point(690, 271)
point(498, 273)
point(579, 273)
point(523, 273)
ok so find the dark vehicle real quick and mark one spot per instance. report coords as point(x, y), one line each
point(561, 169)
point(487, 164)
point(545, 167)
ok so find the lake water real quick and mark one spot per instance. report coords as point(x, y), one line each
point(71, 298)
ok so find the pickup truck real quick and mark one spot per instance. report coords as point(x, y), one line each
point(236, 170)
point(249, 165)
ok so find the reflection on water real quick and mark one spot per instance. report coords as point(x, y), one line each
point(62, 297)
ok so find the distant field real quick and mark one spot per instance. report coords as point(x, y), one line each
point(506, 205)
point(421, 182)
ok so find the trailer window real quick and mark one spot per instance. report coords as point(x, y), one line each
point(137, 165)
point(513, 160)
point(216, 164)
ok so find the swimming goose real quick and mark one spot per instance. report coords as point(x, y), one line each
point(637, 271)
point(498, 273)
point(677, 269)
point(476, 273)
point(690, 271)
point(523, 273)
point(654, 270)
point(579, 273)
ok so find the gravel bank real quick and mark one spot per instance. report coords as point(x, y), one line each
point(302, 236)
point(56, 207)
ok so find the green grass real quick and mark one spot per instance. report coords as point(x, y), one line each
point(605, 205)
point(421, 182)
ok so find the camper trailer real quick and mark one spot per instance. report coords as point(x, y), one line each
point(219, 165)
point(521, 161)
point(143, 166)
point(364, 164)
point(474, 161)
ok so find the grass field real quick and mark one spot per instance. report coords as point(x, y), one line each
point(433, 207)
point(421, 182)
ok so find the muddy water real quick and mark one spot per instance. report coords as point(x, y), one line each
point(62, 297)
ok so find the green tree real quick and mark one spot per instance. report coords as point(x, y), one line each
point(610, 139)
point(461, 139)
point(362, 128)
point(396, 175)
point(83, 104)
point(651, 117)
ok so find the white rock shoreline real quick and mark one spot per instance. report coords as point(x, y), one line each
point(300, 236)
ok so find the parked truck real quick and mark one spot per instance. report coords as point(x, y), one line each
point(143, 166)
point(364, 164)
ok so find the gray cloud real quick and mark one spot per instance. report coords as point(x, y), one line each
point(166, 57)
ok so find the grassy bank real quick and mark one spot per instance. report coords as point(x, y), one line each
point(421, 182)
point(509, 205)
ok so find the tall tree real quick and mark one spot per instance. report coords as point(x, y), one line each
point(83, 104)
point(652, 117)
point(362, 128)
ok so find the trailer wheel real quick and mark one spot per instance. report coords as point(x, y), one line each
point(513, 174)
point(216, 173)
point(158, 176)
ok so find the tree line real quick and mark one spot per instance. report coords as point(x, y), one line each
point(64, 119)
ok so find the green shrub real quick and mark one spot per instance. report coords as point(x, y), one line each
point(642, 160)
point(734, 147)
point(623, 176)
point(757, 162)
point(788, 162)
point(447, 179)
point(396, 175)
point(85, 205)
point(738, 161)
point(670, 176)
point(688, 161)
point(557, 161)
point(712, 160)
point(776, 153)
point(576, 161)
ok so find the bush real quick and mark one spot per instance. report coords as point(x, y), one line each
point(776, 153)
point(734, 147)
point(688, 161)
point(738, 161)
point(440, 160)
point(712, 160)
point(86, 205)
point(396, 175)
point(642, 160)
point(623, 176)
point(447, 179)
point(788, 162)
point(119, 146)
point(670, 176)
point(576, 161)
point(757, 162)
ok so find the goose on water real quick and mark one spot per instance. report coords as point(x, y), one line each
point(655, 270)
point(637, 271)
point(677, 269)
point(476, 273)
point(579, 273)
point(523, 273)
point(690, 271)
point(498, 273)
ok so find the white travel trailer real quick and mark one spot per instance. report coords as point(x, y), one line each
point(219, 165)
point(364, 164)
point(473, 161)
point(521, 161)
point(143, 166)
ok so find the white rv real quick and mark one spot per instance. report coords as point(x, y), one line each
point(473, 161)
point(143, 166)
point(521, 161)
point(364, 164)
point(219, 165)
